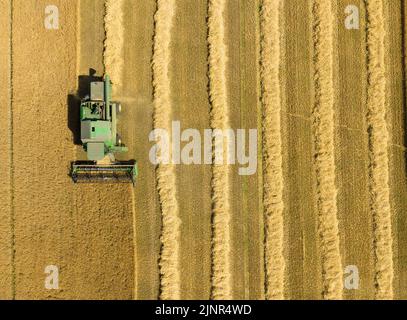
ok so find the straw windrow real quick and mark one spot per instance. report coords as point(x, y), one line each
point(114, 42)
point(379, 150)
point(221, 262)
point(323, 131)
point(272, 148)
point(165, 173)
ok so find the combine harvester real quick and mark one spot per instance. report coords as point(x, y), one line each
point(98, 117)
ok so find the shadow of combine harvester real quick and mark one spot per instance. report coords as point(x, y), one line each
point(92, 119)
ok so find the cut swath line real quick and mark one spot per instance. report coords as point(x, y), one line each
point(114, 42)
point(219, 118)
point(378, 151)
point(135, 273)
point(78, 39)
point(272, 148)
point(11, 155)
point(165, 173)
point(323, 133)
point(11, 151)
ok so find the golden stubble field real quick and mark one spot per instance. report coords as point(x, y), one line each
point(330, 192)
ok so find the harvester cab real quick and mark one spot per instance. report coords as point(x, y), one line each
point(98, 117)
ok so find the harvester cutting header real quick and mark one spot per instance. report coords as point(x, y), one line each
point(98, 117)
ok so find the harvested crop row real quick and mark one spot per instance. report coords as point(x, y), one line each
point(379, 155)
point(78, 37)
point(11, 159)
point(272, 148)
point(114, 42)
point(135, 259)
point(221, 263)
point(165, 173)
point(7, 265)
point(323, 130)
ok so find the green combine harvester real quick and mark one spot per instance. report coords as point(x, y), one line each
point(98, 117)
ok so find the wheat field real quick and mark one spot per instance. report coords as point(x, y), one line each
point(330, 191)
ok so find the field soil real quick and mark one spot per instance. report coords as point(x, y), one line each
point(326, 204)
